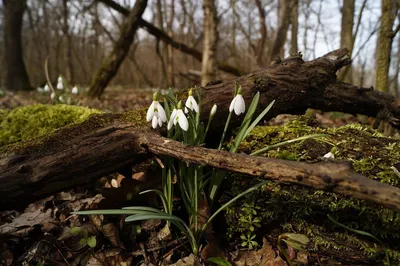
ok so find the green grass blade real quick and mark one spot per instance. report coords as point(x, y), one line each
point(273, 146)
point(258, 119)
point(161, 195)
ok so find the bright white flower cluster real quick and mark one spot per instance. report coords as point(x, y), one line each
point(177, 116)
point(156, 113)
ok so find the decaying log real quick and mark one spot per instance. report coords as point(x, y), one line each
point(37, 172)
point(79, 154)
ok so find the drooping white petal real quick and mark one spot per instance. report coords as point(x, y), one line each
point(159, 122)
point(240, 105)
point(171, 119)
point(59, 80)
point(161, 113)
point(232, 104)
point(329, 155)
point(213, 110)
point(154, 122)
point(46, 88)
point(150, 112)
point(52, 95)
point(60, 86)
point(191, 104)
point(74, 90)
point(182, 120)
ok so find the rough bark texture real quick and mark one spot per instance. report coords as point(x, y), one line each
point(295, 27)
point(17, 76)
point(384, 44)
point(170, 58)
point(105, 144)
point(263, 32)
point(69, 71)
point(156, 32)
point(209, 61)
point(346, 35)
point(121, 48)
point(280, 38)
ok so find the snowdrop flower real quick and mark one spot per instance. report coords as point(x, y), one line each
point(329, 155)
point(178, 116)
point(191, 103)
point(46, 88)
point(40, 89)
point(61, 99)
point(52, 95)
point(60, 85)
point(74, 90)
point(156, 113)
point(60, 79)
point(238, 104)
point(213, 110)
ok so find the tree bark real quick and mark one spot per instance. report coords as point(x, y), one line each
point(384, 44)
point(121, 48)
point(102, 145)
point(170, 56)
point(156, 32)
point(263, 32)
point(17, 76)
point(280, 38)
point(69, 70)
point(209, 60)
point(346, 35)
point(294, 48)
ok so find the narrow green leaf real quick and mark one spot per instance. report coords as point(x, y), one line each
point(258, 119)
point(161, 195)
point(75, 230)
point(273, 146)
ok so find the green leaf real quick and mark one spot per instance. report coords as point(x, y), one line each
point(258, 119)
point(219, 261)
point(296, 241)
point(83, 241)
point(269, 147)
point(75, 230)
point(161, 195)
point(91, 241)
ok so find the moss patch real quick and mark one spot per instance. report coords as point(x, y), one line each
point(29, 122)
point(288, 207)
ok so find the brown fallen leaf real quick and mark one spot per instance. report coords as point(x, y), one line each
point(265, 256)
point(110, 257)
point(112, 234)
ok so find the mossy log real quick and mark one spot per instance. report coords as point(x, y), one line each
point(283, 208)
point(106, 143)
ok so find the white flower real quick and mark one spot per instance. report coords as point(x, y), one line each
point(329, 155)
point(171, 119)
point(60, 85)
point(61, 99)
point(40, 89)
point(213, 110)
point(156, 113)
point(60, 79)
point(46, 88)
point(191, 103)
point(74, 90)
point(52, 95)
point(238, 104)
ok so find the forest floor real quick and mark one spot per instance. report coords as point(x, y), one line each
point(41, 234)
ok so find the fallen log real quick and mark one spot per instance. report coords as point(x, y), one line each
point(106, 143)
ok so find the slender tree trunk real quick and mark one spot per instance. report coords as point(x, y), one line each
point(121, 48)
point(69, 72)
point(294, 48)
point(170, 58)
point(263, 34)
point(280, 39)
point(209, 62)
point(384, 44)
point(160, 47)
point(346, 35)
point(17, 76)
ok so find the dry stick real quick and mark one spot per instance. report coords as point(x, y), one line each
point(331, 176)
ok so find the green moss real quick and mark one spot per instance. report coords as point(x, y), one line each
point(33, 121)
point(370, 153)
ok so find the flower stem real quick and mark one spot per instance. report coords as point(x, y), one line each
point(225, 130)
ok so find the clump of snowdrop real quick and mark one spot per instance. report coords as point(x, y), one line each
point(156, 113)
point(191, 103)
point(178, 117)
point(238, 105)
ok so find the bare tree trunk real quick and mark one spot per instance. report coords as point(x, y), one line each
point(17, 76)
point(263, 34)
point(294, 47)
point(209, 62)
point(346, 35)
point(161, 46)
point(384, 45)
point(170, 59)
point(110, 67)
point(69, 74)
point(280, 39)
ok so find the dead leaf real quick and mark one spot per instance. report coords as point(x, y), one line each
point(265, 256)
point(164, 234)
point(110, 257)
point(189, 260)
point(112, 234)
